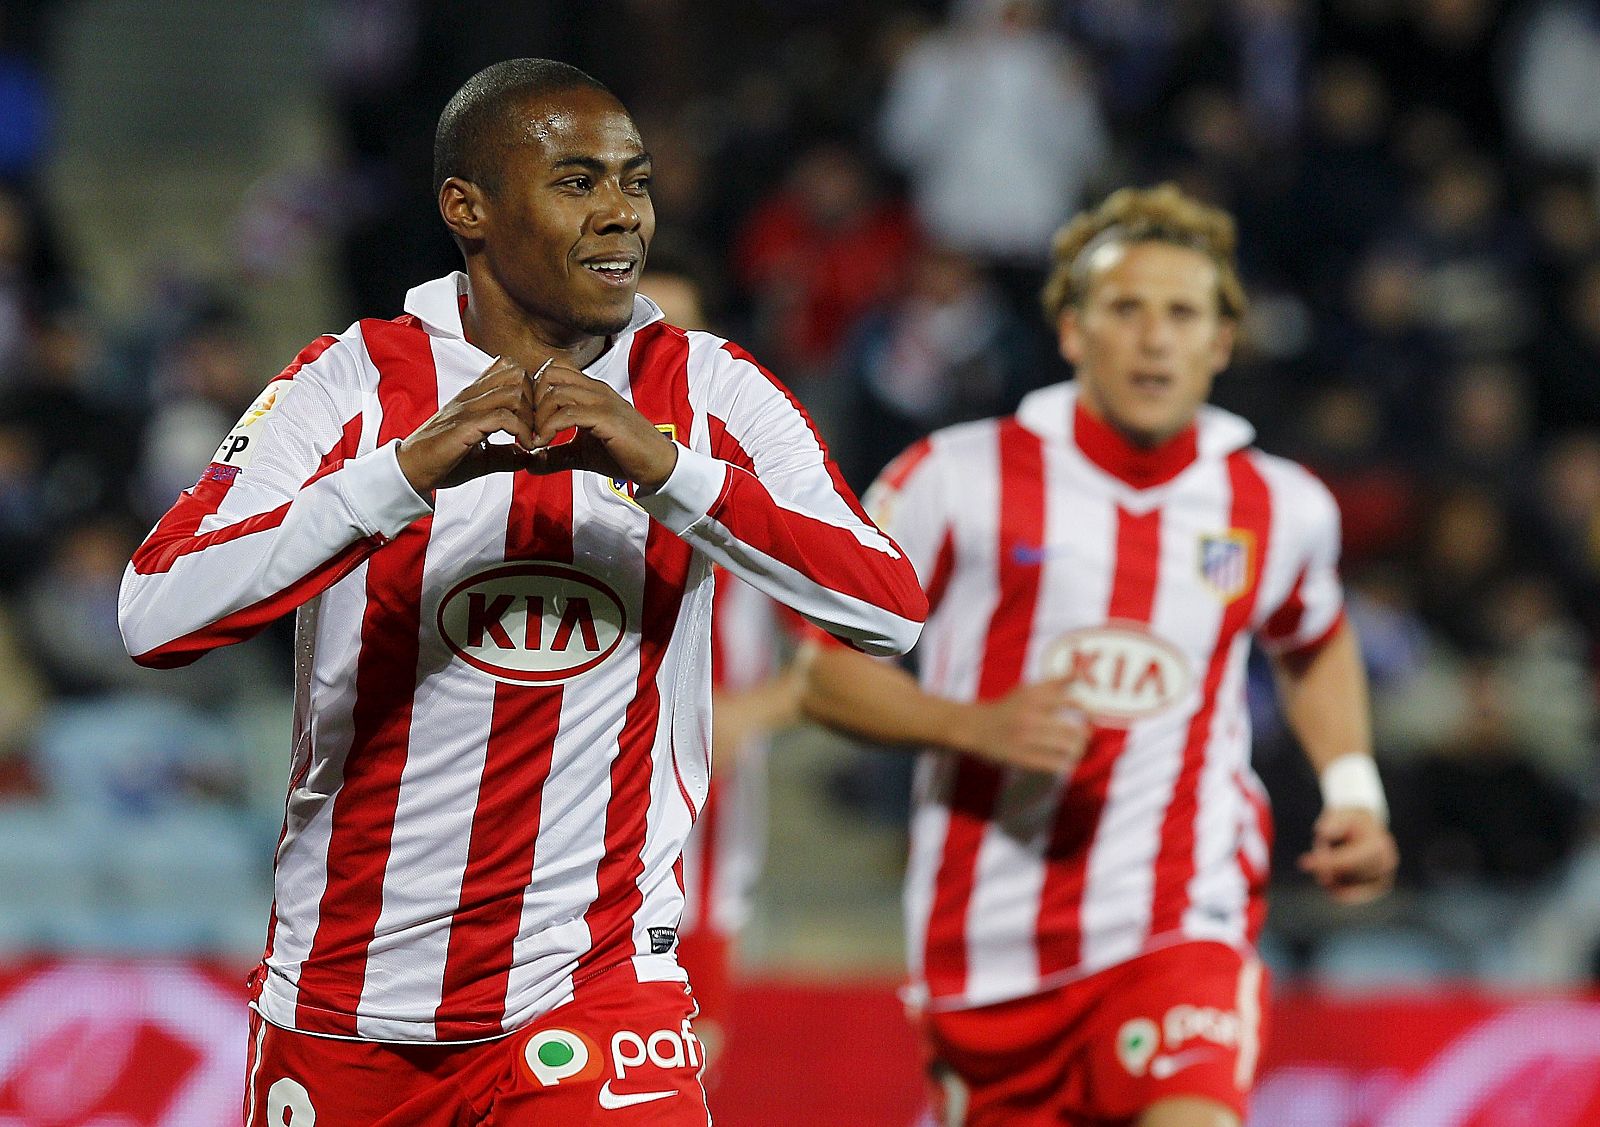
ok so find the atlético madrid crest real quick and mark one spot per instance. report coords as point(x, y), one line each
point(1227, 562)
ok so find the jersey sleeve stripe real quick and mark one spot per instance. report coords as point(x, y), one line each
point(898, 472)
point(726, 447)
point(839, 484)
point(251, 620)
point(814, 547)
point(177, 535)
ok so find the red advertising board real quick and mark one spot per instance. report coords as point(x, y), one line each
point(93, 1043)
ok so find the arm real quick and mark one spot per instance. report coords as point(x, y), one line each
point(766, 503)
point(1034, 727)
point(740, 715)
point(288, 508)
point(1324, 694)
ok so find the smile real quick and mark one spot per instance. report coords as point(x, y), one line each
point(613, 271)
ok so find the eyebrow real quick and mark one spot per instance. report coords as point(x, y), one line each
point(597, 166)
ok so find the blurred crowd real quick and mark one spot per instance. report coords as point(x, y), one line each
point(866, 194)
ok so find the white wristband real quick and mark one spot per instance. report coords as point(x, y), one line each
point(1352, 781)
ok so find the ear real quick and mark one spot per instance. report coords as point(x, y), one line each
point(1069, 336)
point(464, 208)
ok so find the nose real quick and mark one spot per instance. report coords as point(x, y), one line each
point(616, 210)
point(1155, 335)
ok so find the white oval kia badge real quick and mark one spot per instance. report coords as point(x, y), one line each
point(532, 623)
point(1119, 673)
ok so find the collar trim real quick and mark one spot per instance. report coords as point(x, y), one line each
point(1139, 467)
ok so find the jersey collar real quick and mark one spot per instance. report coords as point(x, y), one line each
point(1055, 413)
point(437, 304)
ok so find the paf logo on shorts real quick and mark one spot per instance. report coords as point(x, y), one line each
point(553, 1055)
point(1137, 1042)
point(1119, 672)
point(238, 449)
point(532, 623)
point(664, 1048)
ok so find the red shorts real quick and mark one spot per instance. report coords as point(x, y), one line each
point(1185, 1020)
point(707, 956)
point(623, 1053)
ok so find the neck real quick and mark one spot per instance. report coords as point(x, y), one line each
point(1139, 465)
point(496, 324)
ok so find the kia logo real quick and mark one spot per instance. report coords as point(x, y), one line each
point(1119, 673)
point(532, 623)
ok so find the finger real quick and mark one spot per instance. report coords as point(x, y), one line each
point(555, 459)
point(500, 457)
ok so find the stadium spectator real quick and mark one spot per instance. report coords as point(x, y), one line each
point(505, 689)
point(1089, 842)
point(996, 125)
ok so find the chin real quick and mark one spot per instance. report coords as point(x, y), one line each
point(605, 323)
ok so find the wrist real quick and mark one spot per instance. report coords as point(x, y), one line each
point(958, 726)
point(1351, 781)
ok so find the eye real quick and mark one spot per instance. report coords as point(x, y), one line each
point(640, 185)
point(582, 183)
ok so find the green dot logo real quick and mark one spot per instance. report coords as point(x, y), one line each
point(554, 1055)
point(1137, 1042)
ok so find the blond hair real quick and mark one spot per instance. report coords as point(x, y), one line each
point(1162, 214)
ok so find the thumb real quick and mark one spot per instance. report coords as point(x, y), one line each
point(555, 459)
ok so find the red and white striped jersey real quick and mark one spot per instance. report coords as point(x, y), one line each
point(1048, 545)
point(723, 855)
point(503, 701)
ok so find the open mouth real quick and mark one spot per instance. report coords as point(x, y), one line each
point(613, 271)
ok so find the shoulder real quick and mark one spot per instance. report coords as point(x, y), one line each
point(1300, 499)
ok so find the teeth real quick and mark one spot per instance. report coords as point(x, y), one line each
point(610, 265)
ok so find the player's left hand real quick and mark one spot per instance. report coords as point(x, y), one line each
point(612, 438)
point(1352, 856)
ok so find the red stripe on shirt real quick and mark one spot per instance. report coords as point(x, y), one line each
point(827, 553)
point(306, 355)
point(332, 976)
point(1251, 512)
point(898, 472)
point(1285, 621)
point(977, 784)
point(944, 566)
point(1136, 570)
point(727, 447)
point(502, 853)
point(658, 371)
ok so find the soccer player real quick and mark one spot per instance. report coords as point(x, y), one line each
point(1089, 842)
point(496, 517)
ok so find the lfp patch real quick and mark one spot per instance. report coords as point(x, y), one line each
point(1226, 562)
point(239, 448)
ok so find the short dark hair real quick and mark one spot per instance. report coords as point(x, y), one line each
point(475, 127)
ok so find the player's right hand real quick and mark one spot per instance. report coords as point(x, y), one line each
point(453, 447)
point(1034, 727)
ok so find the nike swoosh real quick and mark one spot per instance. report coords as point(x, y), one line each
point(1026, 554)
point(1163, 1067)
point(611, 1101)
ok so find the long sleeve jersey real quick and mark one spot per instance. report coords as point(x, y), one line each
point(502, 707)
point(1050, 547)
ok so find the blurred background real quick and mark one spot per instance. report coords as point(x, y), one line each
point(190, 190)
